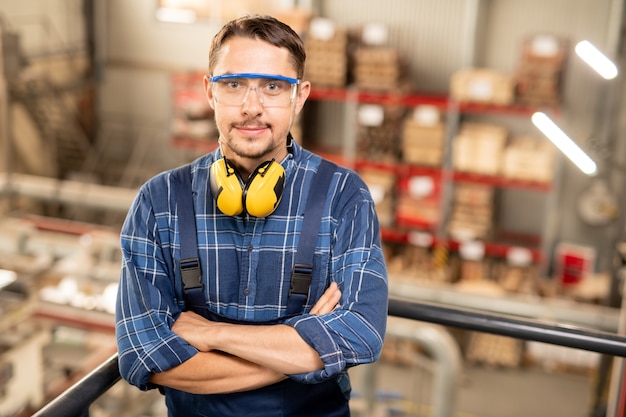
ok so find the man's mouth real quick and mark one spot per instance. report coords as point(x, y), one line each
point(251, 127)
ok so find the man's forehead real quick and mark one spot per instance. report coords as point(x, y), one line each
point(242, 54)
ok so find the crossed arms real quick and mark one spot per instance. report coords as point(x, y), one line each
point(235, 357)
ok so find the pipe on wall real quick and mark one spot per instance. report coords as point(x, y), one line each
point(70, 192)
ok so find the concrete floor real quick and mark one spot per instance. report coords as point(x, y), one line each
point(487, 392)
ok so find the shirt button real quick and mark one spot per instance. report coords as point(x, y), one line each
point(246, 292)
point(250, 248)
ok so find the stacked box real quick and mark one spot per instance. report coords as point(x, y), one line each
point(299, 19)
point(483, 85)
point(409, 263)
point(519, 279)
point(529, 158)
point(472, 212)
point(327, 59)
point(382, 187)
point(417, 212)
point(478, 148)
point(494, 350)
point(380, 142)
point(379, 69)
point(422, 144)
point(539, 74)
point(418, 202)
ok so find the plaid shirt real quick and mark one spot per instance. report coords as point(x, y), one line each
point(246, 267)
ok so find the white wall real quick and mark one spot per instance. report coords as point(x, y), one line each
point(135, 37)
point(45, 25)
point(138, 55)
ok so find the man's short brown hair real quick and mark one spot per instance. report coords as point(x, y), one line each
point(265, 28)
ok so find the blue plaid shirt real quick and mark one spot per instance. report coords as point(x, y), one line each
point(246, 267)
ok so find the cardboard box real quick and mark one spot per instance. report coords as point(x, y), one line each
point(379, 68)
point(538, 77)
point(472, 212)
point(422, 144)
point(327, 59)
point(478, 148)
point(382, 187)
point(483, 86)
point(418, 203)
point(528, 158)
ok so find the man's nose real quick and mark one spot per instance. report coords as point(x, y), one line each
point(252, 101)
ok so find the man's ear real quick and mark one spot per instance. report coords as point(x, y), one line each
point(304, 89)
point(208, 91)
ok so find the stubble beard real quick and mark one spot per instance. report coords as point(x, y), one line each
point(239, 146)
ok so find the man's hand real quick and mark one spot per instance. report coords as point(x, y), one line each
point(192, 327)
point(328, 301)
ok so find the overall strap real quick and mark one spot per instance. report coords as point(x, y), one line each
point(302, 273)
point(189, 264)
point(303, 266)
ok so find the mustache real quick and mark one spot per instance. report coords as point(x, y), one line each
point(250, 123)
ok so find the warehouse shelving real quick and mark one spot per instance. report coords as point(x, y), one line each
point(350, 96)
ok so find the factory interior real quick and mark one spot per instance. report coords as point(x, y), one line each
point(493, 145)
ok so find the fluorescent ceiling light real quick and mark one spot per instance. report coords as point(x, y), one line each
point(564, 143)
point(174, 15)
point(7, 277)
point(596, 60)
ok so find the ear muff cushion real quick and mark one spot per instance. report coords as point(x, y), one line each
point(264, 189)
point(226, 188)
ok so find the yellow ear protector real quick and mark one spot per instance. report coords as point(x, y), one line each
point(258, 196)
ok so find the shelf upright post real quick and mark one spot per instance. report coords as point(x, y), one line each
point(471, 32)
point(474, 12)
point(550, 219)
point(5, 120)
point(349, 126)
point(617, 389)
point(452, 126)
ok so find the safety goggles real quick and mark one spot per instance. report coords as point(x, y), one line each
point(272, 90)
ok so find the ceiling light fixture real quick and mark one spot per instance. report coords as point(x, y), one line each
point(596, 60)
point(175, 15)
point(564, 143)
point(7, 277)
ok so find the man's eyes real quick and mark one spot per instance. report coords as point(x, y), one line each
point(234, 84)
point(276, 86)
point(268, 85)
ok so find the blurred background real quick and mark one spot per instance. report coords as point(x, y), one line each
point(490, 133)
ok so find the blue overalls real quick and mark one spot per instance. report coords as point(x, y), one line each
point(284, 399)
point(287, 398)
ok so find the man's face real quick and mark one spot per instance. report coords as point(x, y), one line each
point(251, 133)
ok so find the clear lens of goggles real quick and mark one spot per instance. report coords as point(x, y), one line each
point(272, 90)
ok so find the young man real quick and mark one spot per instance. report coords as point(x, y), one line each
point(241, 351)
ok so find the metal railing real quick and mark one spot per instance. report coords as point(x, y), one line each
point(76, 400)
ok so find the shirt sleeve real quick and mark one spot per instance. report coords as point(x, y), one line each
point(145, 311)
point(352, 334)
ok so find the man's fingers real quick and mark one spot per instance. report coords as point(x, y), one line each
point(328, 301)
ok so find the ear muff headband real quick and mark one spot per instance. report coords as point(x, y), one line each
point(259, 196)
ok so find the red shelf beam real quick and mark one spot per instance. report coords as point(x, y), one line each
point(493, 249)
point(370, 97)
point(501, 182)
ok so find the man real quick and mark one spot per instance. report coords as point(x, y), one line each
point(240, 351)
